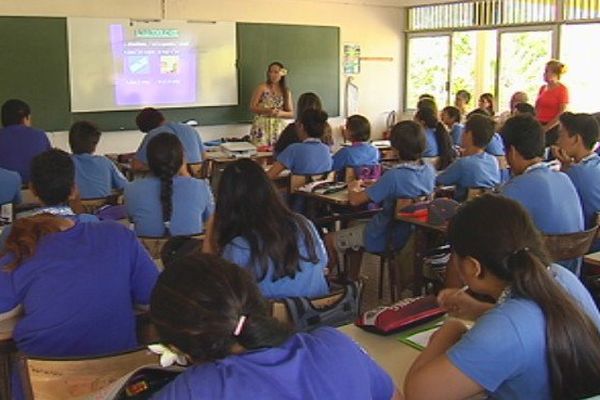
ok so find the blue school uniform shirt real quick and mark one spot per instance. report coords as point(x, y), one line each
point(307, 366)
point(549, 197)
point(10, 187)
point(96, 176)
point(309, 157)
point(356, 155)
point(505, 351)
point(585, 175)
point(19, 144)
point(309, 280)
point(431, 148)
point(477, 170)
point(63, 289)
point(192, 202)
point(188, 136)
point(456, 133)
point(406, 180)
point(496, 146)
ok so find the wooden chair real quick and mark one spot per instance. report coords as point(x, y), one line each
point(197, 170)
point(90, 206)
point(568, 246)
point(474, 192)
point(154, 245)
point(67, 378)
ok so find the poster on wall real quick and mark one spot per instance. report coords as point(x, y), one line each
point(351, 59)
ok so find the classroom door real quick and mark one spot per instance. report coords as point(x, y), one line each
point(428, 69)
point(522, 57)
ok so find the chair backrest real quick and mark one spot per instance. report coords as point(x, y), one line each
point(154, 245)
point(502, 163)
point(433, 161)
point(88, 206)
point(67, 378)
point(474, 192)
point(296, 181)
point(280, 312)
point(568, 246)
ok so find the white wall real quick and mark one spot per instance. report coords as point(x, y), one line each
point(378, 29)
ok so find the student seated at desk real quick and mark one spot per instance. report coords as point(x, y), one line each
point(19, 142)
point(170, 202)
point(541, 338)
point(577, 135)
point(361, 152)
point(213, 314)
point(549, 196)
point(53, 184)
point(475, 168)
point(310, 156)
point(437, 138)
point(253, 228)
point(409, 179)
point(451, 118)
point(10, 187)
point(96, 176)
point(289, 135)
point(152, 122)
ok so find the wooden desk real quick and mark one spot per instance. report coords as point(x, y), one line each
point(592, 259)
point(338, 198)
point(392, 355)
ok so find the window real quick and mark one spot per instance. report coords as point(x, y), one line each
point(427, 68)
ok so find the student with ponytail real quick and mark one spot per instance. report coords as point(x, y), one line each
point(212, 312)
point(439, 143)
point(169, 202)
point(541, 338)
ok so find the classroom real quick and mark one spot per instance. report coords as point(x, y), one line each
point(303, 199)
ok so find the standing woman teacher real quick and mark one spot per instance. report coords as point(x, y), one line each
point(552, 100)
point(271, 102)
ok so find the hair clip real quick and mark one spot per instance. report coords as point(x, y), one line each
point(239, 326)
point(525, 249)
point(283, 72)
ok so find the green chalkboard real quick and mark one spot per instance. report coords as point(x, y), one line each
point(35, 68)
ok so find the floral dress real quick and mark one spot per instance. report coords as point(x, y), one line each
point(265, 130)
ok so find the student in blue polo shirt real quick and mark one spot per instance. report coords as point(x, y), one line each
point(411, 178)
point(255, 229)
point(541, 338)
point(439, 143)
point(309, 157)
point(152, 122)
point(238, 351)
point(451, 117)
point(10, 187)
point(475, 168)
point(361, 152)
point(19, 142)
point(577, 136)
point(95, 176)
point(169, 202)
point(550, 197)
point(53, 184)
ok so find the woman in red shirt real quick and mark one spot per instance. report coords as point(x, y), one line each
point(552, 100)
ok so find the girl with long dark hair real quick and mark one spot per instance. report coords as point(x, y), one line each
point(212, 312)
point(541, 338)
point(169, 202)
point(271, 101)
point(439, 143)
point(254, 229)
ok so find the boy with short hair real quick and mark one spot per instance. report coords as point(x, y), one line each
point(475, 168)
point(95, 176)
point(361, 152)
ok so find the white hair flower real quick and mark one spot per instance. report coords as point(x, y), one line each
point(168, 357)
point(283, 72)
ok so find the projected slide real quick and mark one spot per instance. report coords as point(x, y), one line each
point(158, 66)
point(120, 64)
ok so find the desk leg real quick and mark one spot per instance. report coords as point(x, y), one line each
point(7, 358)
point(419, 253)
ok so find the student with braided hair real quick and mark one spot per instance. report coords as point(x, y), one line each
point(169, 202)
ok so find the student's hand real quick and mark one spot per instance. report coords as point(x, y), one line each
point(274, 112)
point(460, 304)
point(562, 156)
point(356, 186)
